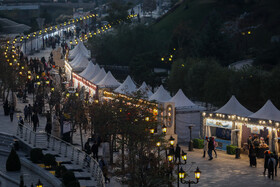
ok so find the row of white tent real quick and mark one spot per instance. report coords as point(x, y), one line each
point(80, 62)
point(267, 112)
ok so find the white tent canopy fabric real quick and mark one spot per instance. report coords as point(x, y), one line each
point(79, 48)
point(93, 73)
point(181, 100)
point(78, 58)
point(268, 112)
point(89, 69)
point(161, 95)
point(234, 107)
point(98, 77)
point(144, 89)
point(127, 87)
point(80, 64)
point(109, 81)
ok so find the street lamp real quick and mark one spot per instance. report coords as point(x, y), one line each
point(171, 140)
point(182, 175)
point(152, 131)
point(164, 129)
point(39, 184)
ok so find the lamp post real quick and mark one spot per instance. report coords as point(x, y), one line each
point(182, 175)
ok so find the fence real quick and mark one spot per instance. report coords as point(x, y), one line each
point(64, 149)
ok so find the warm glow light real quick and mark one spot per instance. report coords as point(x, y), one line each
point(171, 140)
point(77, 94)
point(158, 144)
point(184, 156)
point(197, 173)
point(152, 131)
point(147, 118)
point(181, 173)
point(164, 129)
point(170, 157)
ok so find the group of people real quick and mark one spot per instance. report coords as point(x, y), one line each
point(210, 145)
point(93, 150)
point(270, 159)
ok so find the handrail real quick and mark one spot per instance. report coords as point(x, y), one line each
point(80, 158)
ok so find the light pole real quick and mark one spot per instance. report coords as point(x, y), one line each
point(182, 175)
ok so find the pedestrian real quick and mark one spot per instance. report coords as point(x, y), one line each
point(25, 111)
point(35, 121)
point(210, 148)
point(249, 142)
point(94, 150)
point(29, 113)
point(12, 112)
point(48, 130)
point(6, 108)
point(252, 156)
point(276, 163)
point(177, 152)
point(20, 124)
point(271, 166)
point(87, 148)
point(266, 156)
point(104, 169)
point(205, 148)
point(215, 145)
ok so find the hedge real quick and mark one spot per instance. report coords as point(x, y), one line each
point(231, 149)
point(198, 143)
point(13, 162)
point(36, 155)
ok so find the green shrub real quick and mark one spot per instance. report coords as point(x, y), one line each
point(68, 177)
point(36, 155)
point(59, 171)
point(49, 160)
point(231, 149)
point(13, 162)
point(198, 143)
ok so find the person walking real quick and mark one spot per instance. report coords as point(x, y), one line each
point(252, 156)
point(29, 113)
point(104, 169)
point(177, 152)
point(210, 148)
point(35, 121)
point(25, 111)
point(215, 145)
point(271, 166)
point(87, 148)
point(94, 150)
point(12, 110)
point(205, 148)
point(48, 130)
point(266, 156)
point(6, 108)
point(20, 124)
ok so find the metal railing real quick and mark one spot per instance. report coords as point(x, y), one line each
point(64, 149)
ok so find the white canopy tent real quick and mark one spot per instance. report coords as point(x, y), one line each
point(89, 69)
point(161, 95)
point(79, 48)
point(80, 64)
point(109, 81)
point(127, 87)
point(234, 107)
point(77, 59)
point(98, 77)
point(268, 112)
point(187, 114)
point(92, 72)
point(145, 90)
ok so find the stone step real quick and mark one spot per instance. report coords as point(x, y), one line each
point(88, 183)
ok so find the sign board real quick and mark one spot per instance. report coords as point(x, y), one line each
point(219, 123)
